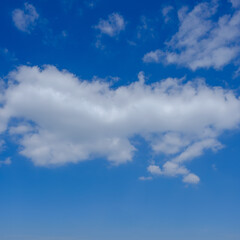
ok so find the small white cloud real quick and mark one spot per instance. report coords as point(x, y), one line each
point(154, 56)
point(25, 19)
point(145, 29)
point(90, 4)
point(191, 178)
point(145, 178)
point(173, 169)
point(236, 73)
point(7, 161)
point(111, 26)
point(154, 169)
point(196, 149)
point(166, 12)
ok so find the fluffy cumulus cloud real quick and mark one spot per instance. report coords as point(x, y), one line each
point(58, 118)
point(112, 26)
point(25, 19)
point(200, 41)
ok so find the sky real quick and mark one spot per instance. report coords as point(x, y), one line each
point(119, 120)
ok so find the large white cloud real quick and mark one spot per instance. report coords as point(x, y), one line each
point(25, 19)
point(201, 42)
point(58, 118)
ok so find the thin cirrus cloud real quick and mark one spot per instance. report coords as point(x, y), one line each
point(201, 42)
point(25, 19)
point(7, 161)
point(166, 13)
point(58, 118)
point(111, 26)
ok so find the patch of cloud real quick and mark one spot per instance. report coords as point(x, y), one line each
point(172, 169)
point(2, 145)
point(7, 161)
point(166, 13)
point(111, 26)
point(236, 73)
point(154, 56)
point(154, 169)
point(200, 41)
point(191, 178)
point(20, 129)
point(235, 3)
point(59, 118)
point(145, 178)
point(196, 149)
point(170, 143)
point(145, 29)
point(25, 19)
point(90, 4)
point(8, 55)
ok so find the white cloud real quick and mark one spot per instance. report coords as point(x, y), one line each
point(111, 26)
point(154, 56)
point(25, 19)
point(7, 161)
point(62, 119)
point(145, 29)
point(145, 178)
point(173, 169)
point(235, 3)
point(170, 169)
point(170, 143)
point(200, 41)
point(154, 169)
point(196, 149)
point(166, 12)
point(191, 178)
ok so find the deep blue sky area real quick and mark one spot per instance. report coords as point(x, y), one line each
point(119, 120)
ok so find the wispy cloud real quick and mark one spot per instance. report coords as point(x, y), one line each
point(25, 19)
point(111, 26)
point(145, 178)
point(7, 161)
point(200, 41)
point(166, 13)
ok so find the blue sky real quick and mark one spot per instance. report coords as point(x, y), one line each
point(119, 120)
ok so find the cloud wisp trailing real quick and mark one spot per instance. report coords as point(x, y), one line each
point(200, 41)
point(61, 119)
